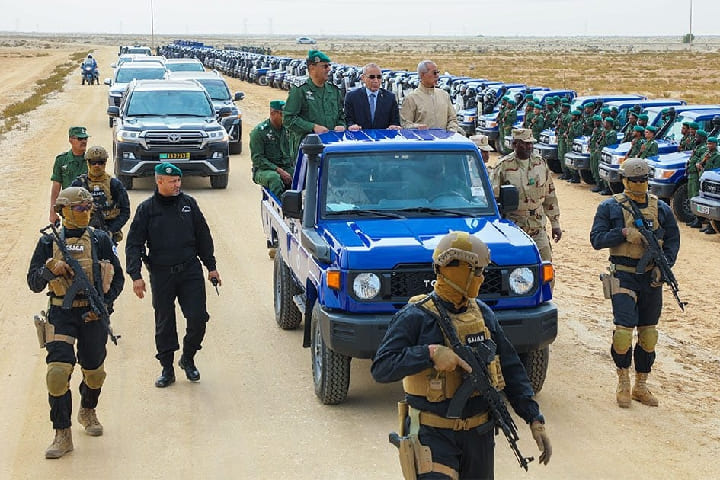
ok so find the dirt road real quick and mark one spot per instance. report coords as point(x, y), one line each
point(254, 414)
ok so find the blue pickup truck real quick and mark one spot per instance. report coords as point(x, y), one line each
point(667, 139)
point(707, 203)
point(354, 238)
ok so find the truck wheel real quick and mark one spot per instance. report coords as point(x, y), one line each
point(587, 177)
point(536, 365)
point(110, 121)
point(715, 225)
point(331, 370)
point(126, 181)
point(219, 181)
point(287, 315)
point(235, 147)
point(554, 165)
point(262, 80)
point(681, 204)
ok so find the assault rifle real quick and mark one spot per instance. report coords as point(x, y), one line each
point(81, 283)
point(478, 357)
point(654, 253)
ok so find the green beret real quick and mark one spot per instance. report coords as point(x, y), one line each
point(610, 120)
point(702, 133)
point(589, 105)
point(643, 116)
point(277, 105)
point(512, 101)
point(538, 106)
point(694, 125)
point(530, 104)
point(565, 104)
point(575, 112)
point(536, 100)
point(634, 114)
point(315, 56)
point(638, 128)
point(712, 139)
point(605, 110)
point(79, 132)
point(529, 95)
point(550, 101)
point(613, 109)
point(597, 118)
point(167, 168)
point(651, 128)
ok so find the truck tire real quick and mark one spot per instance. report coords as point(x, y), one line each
point(262, 80)
point(236, 147)
point(126, 181)
point(681, 204)
point(219, 181)
point(331, 370)
point(536, 365)
point(287, 315)
point(111, 120)
point(715, 225)
point(587, 177)
point(554, 165)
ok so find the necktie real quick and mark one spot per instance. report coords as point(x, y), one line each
point(372, 106)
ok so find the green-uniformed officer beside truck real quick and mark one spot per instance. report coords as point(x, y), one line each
point(538, 122)
point(273, 166)
point(315, 106)
point(608, 137)
point(68, 165)
point(575, 130)
point(509, 118)
point(650, 147)
point(693, 182)
point(563, 125)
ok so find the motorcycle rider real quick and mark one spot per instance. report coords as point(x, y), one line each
point(91, 62)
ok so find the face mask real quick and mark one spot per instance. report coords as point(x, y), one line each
point(75, 219)
point(636, 191)
point(96, 171)
point(458, 284)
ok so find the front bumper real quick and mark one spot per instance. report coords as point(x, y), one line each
point(577, 161)
point(134, 161)
point(610, 173)
point(705, 207)
point(547, 152)
point(662, 190)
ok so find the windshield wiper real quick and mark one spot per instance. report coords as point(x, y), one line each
point(456, 213)
point(365, 213)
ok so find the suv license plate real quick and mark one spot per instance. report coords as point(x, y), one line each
point(703, 209)
point(175, 156)
point(603, 174)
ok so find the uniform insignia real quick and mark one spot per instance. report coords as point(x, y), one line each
point(75, 248)
point(168, 170)
point(309, 95)
point(475, 338)
point(185, 209)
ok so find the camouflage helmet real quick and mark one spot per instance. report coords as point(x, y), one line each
point(463, 247)
point(96, 153)
point(72, 196)
point(634, 167)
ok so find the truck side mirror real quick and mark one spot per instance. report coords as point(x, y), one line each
point(113, 111)
point(509, 199)
point(239, 96)
point(292, 203)
point(225, 112)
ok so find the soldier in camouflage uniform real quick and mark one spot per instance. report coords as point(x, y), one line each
point(628, 131)
point(687, 142)
point(527, 119)
point(273, 166)
point(693, 183)
point(529, 173)
point(509, 119)
point(608, 137)
point(537, 124)
point(315, 106)
point(637, 142)
point(563, 125)
point(650, 147)
point(588, 119)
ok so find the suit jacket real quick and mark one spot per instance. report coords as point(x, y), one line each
point(357, 109)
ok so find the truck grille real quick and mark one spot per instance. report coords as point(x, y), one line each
point(174, 139)
point(711, 188)
point(606, 158)
point(481, 123)
point(545, 139)
point(577, 148)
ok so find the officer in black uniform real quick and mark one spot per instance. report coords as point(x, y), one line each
point(636, 295)
point(174, 229)
point(415, 350)
point(95, 253)
point(111, 203)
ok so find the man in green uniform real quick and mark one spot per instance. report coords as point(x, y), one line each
point(575, 130)
point(637, 142)
point(643, 120)
point(315, 106)
point(68, 165)
point(608, 137)
point(527, 120)
point(550, 113)
point(628, 132)
point(614, 114)
point(538, 122)
point(594, 146)
point(588, 119)
point(709, 161)
point(273, 167)
point(509, 118)
point(693, 173)
point(687, 142)
point(650, 147)
point(563, 125)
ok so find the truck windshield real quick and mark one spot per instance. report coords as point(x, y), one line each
point(170, 102)
point(402, 181)
point(674, 134)
point(127, 75)
point(217, 89)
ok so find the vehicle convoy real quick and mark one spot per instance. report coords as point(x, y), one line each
point(667, 138)
point(219, 93)
point(354, 238)
point(169, 120)
point(707, 203)
point(126, 74)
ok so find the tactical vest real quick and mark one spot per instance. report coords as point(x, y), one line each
point(650, 212)
point(439, 386)
point(102, 195)
point(80, 248)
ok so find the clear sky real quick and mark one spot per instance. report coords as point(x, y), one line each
point(363, 17)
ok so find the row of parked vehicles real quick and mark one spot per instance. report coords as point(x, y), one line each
point(171, 110)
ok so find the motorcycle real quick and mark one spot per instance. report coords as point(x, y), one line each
point(89, 75)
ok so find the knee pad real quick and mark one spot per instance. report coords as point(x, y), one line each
point(58, 378)
point(94, 378)
point(622, 339)
point(647, 338)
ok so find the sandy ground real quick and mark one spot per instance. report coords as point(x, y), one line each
point(254, 414)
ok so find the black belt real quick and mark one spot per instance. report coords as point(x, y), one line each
point(178, 267)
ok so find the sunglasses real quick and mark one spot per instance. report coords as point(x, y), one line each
point(97, 162)
point(322, 65)
point(80, 139)
point(435, 72)
point(477, 271)
point(374, 77)
point(637, 179)
point(81, 208)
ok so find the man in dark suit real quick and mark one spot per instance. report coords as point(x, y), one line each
point(371, 106)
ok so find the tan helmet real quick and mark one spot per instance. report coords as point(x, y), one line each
point(96, 153)
point(634, 167)
point(72, 196)
point(463, 247)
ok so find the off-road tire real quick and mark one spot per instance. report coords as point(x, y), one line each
point(236, 147)
point(111, 122)
point(262, 80)
point(681, 204)
point(536, 365)
point(587, 177)
point(287, 315)
point(715, 225)
point(331, 370)
point(219, 181)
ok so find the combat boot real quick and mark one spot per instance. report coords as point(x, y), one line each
point(188, 364)
point(61, 445)
point(640, 391)
point(166, 378)
point(623, 389)
point(88, 419)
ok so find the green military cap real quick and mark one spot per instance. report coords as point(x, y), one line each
point(277, 105)
point(538, 106)
point(610, 120)
point(536, 100)
point(531, 104)
point(712, 139)
point(529, 96)
point(315, 56)
point(167, 168)
point(665, 110)
point(78, 132)
point(693, 125)
point(702, 133)
point(651, 128)
point(512, 101)
point(613, 109)
point(639, 128)
point(597, 118)
point(605, 110)
point(643, 116)
point(565, 104)
point(589, 105)
point(550, 101)
point(633, 113)
point(575, 112)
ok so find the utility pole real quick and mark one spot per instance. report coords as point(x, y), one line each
point(152, 25)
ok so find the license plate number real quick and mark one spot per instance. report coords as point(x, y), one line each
point(603, 174)
point(702, 209)
point(175, 156)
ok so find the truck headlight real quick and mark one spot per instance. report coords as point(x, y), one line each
point(218, 136)
point(127, 136)
point(585, 148)
point(615, 159)
point(521, 280)
point(491, 124)
point(552, 140)
point(366, 286)
point(663, 174)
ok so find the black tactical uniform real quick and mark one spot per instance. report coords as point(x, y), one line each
point(176, 234)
